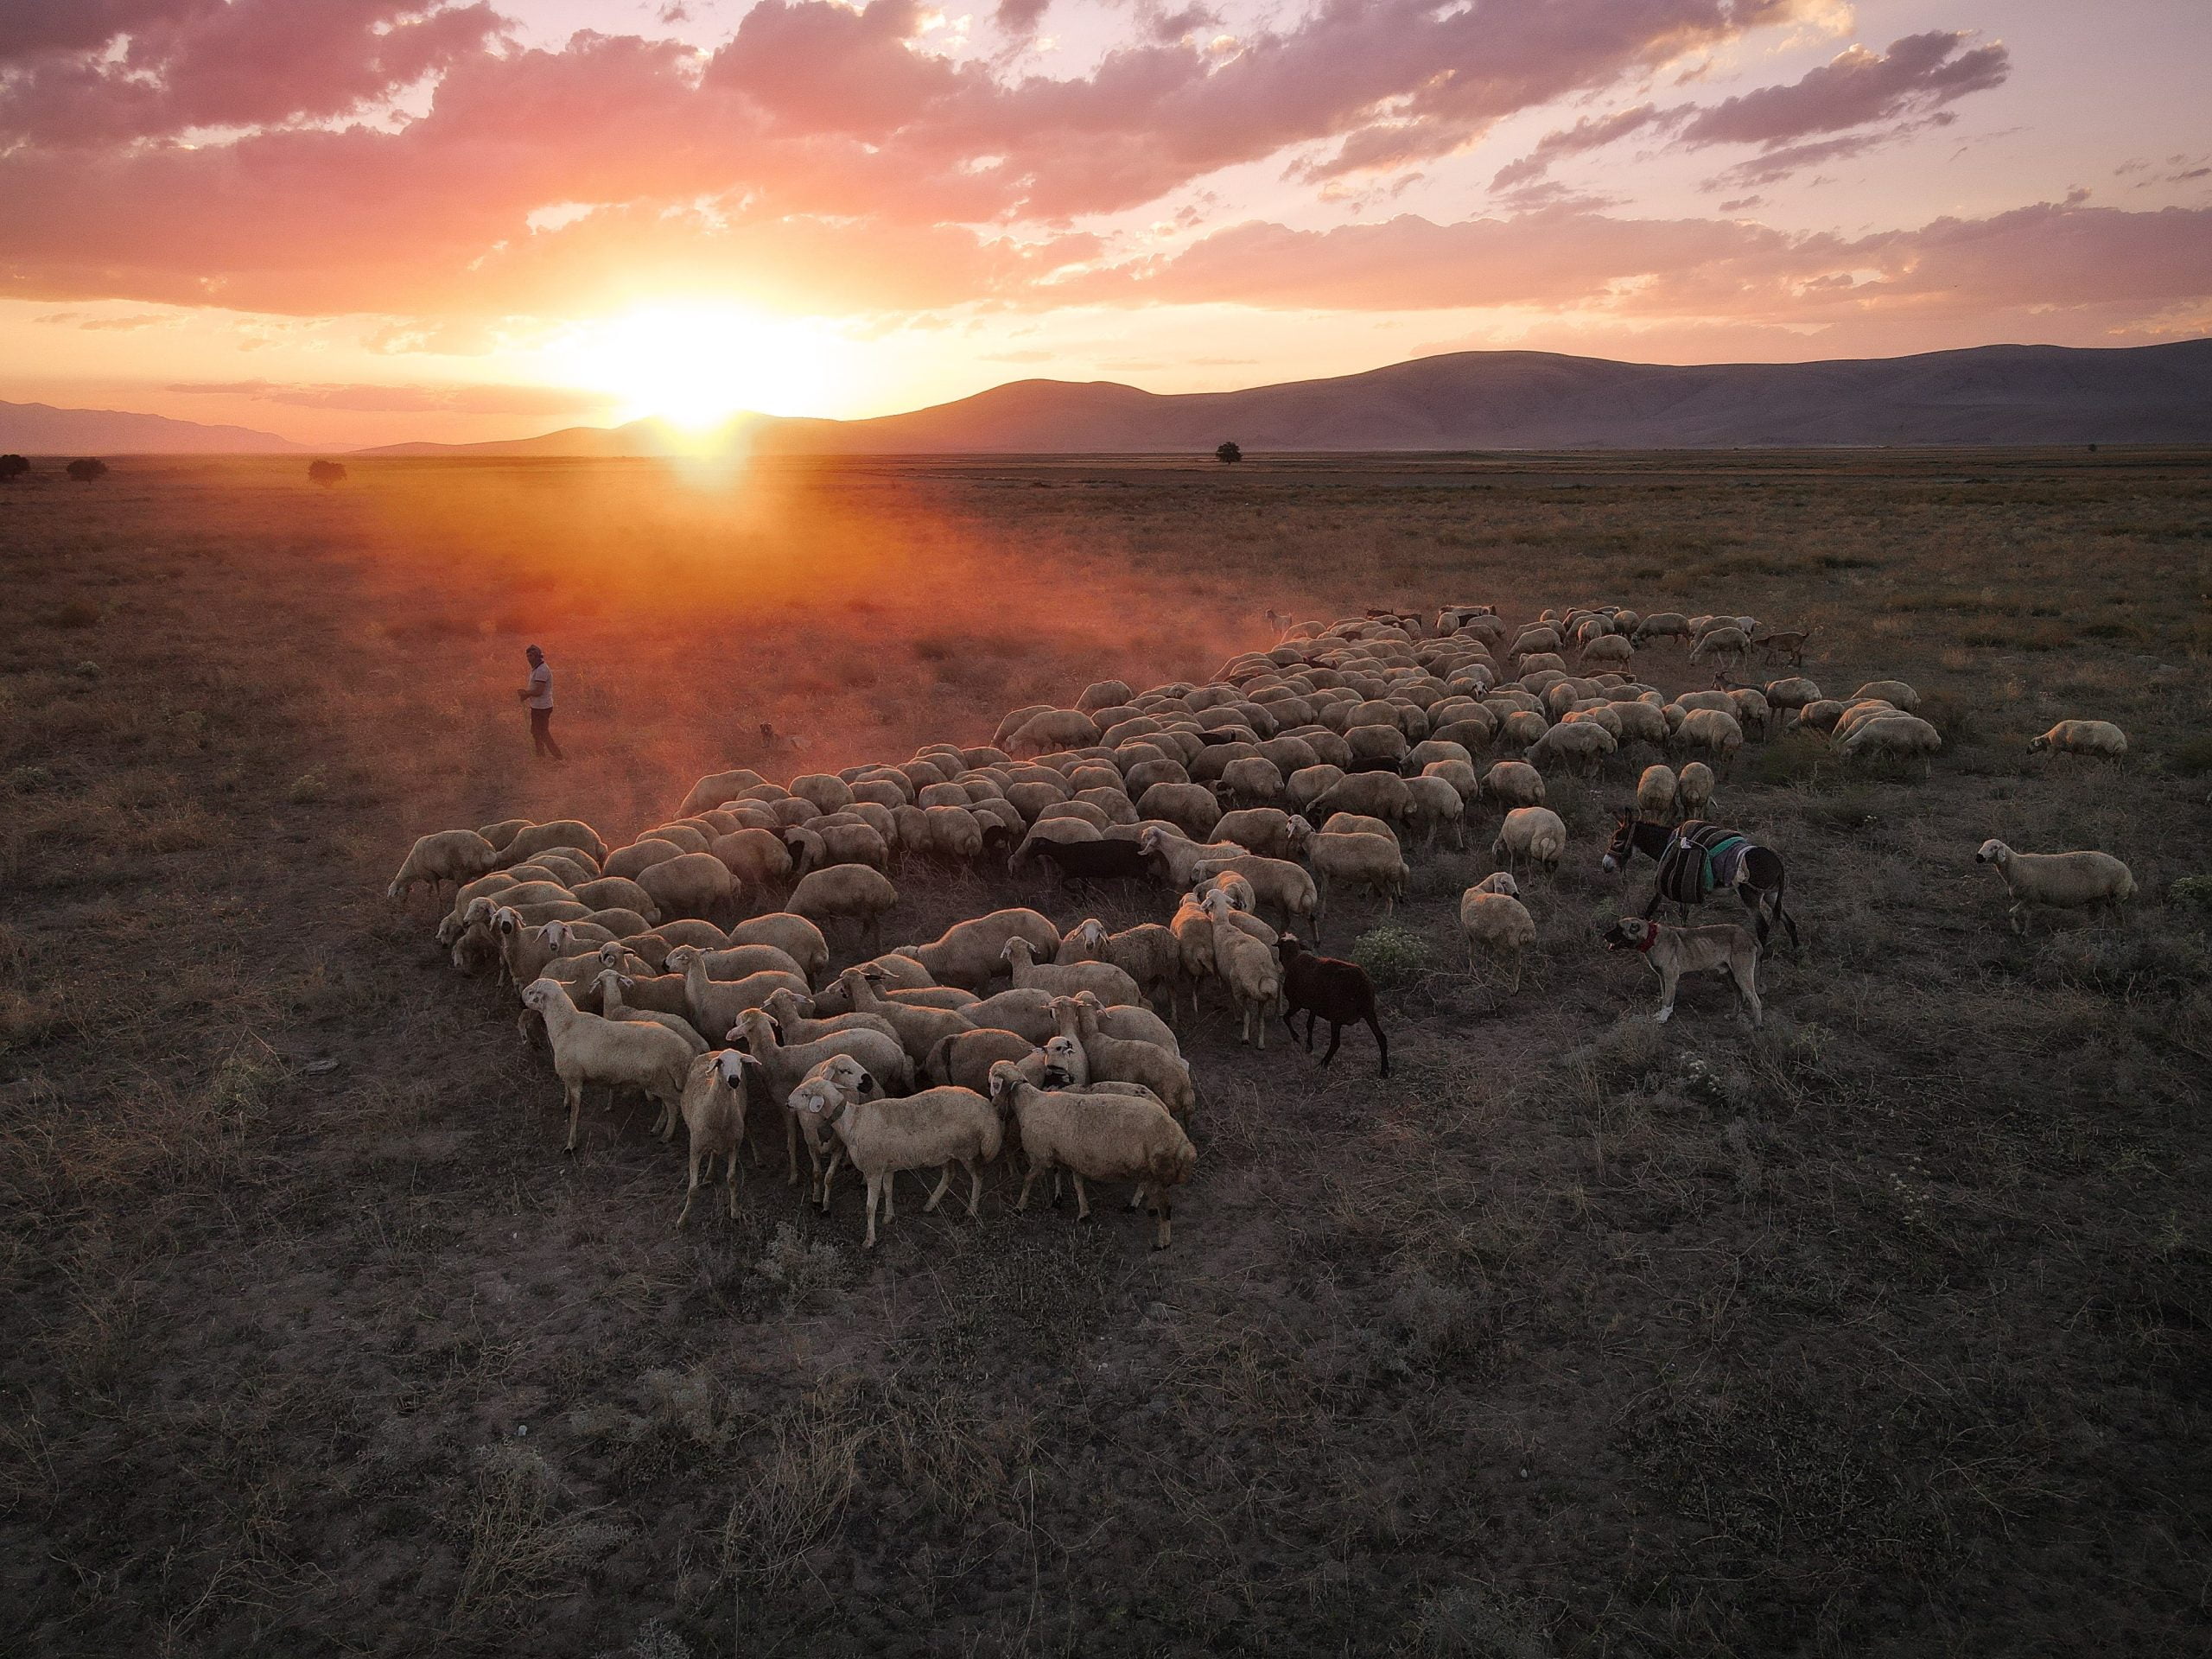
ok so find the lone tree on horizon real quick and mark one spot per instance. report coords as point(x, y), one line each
point(1228, 452)
point(13, 467)
point(326, 473)
point(86, 470)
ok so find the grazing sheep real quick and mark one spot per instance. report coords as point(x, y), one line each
point(1191, 807)
point(1265, 831)
point(1535, 833)
point(1606, 648)
point(717, 788)
point(620, 1053)
point(455, 855)
point(1513, 783)
point(1656, 791)
point(971, 954)
point(560, 832)
point(1368, 860)
point(713, 1118)
point(1438, 806)
point(1723, 644)
point(692, 884)
point(937, 1129)
point(1328, 988)
point(1580, 743)
point(1099, 1138)
point(1178, 856)
point(1903, 736)
point(1493, 917)
point(1661, 625)
point(2061, 880)
point(1718, 734)
point(1693, 788)
point(817, 847)
point(1896, 693)
point(920, 1028)
point(1247, 968)
point(794, 936)
point(2097, 737)
point(758, 858)
point(607, 892)
point(846, 890)
point(1103, 979)
point(1376, 794)
point(632, 861)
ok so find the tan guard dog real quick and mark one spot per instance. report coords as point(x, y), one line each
point(1673, 951)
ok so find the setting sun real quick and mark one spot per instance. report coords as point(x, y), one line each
point(696, 366)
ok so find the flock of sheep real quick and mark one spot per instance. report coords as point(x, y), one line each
point(914, 1058)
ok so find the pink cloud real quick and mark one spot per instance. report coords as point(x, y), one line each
point(1902, 91)
point(2052, 254)
point(811, 113)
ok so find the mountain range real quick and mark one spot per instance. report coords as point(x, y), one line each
point(1458, 401)
point(1519, 400)
point(43, 429)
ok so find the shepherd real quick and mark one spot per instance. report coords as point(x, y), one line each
point(1697, 859)
point(538, 696)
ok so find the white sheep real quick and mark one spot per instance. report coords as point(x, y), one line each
point(1535, 833)
point(1905, 736)
point(936, 1128)
point(846, 890)
point(1100, 1137)
point(714, 1004)
point(783, 1066)
point(1693, 788)
point(1513, 783)
point(971, 954)
point(620, 1053)
point(609, 985)
point(1110, 984)
point(713, 1118)
point(794, 936)
point(1656, 791)
point(1271, 881)
point(2061, 880)
point(455, 855)
point(1148, 953)
point(1492, 917)
point(788, 1009)
point(1108, 1058)
point(2095, 737)
point(1251, 970)
point(920, 1028)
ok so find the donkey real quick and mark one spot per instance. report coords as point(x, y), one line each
point(1759, 880)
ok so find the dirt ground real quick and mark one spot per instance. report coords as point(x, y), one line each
point(1885, 1330)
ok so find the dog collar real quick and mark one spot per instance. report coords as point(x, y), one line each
point(1651, 938)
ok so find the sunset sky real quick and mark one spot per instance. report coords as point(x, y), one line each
point(357, 221)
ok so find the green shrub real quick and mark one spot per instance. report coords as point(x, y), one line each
point(1392, 956)
point(2193, 892)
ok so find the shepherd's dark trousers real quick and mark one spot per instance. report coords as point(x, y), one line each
point(541, 734)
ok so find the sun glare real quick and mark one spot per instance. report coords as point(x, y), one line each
point(696, 366)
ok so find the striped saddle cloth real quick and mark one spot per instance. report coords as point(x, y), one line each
point(1701, 857)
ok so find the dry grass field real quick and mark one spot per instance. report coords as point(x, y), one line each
point(1884, 1330)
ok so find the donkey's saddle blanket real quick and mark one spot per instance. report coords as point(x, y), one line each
point(1701, 857)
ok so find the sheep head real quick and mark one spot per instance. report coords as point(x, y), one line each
point(1993, 852)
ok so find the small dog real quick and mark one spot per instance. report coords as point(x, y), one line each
point(1673, 951)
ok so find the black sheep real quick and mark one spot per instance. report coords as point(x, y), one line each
point(1330, 989)
point(1104, 860)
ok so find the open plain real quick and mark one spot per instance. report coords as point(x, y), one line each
point(1886, 1329)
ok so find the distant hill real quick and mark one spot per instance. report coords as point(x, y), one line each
point(43, 429)
point(1527, 400)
